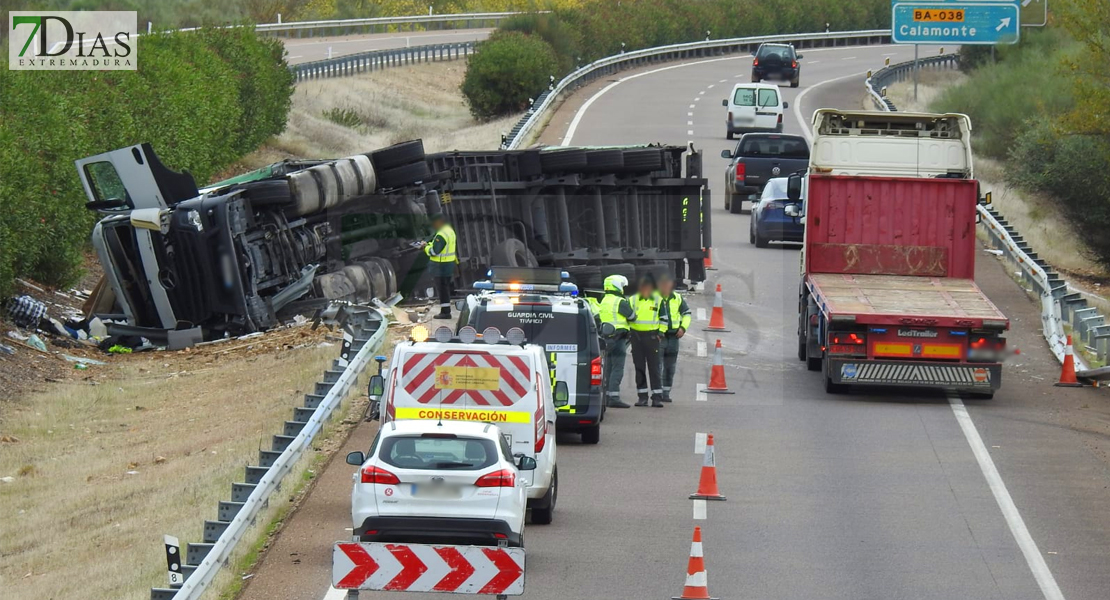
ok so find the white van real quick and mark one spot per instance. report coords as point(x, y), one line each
point(754, 107)
point(487, 378)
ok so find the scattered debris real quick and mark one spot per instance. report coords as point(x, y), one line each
point(36, 342)
point(7, 349)
point(993, 251)
point(83, 360)
point(25, 311)
point(159, 460)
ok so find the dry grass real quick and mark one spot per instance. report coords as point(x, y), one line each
point(101, 472)
point(394, 105)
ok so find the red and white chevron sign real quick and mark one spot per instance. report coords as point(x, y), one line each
point(425, 568)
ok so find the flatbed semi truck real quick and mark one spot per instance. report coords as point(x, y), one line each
point(888, 295)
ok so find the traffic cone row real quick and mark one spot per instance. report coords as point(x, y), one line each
point(1067, 370)
point(717, 384)
point(709, 260)
point(696, 587)
point(717, 317)
point(707, 483)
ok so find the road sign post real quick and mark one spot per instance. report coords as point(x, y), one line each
point(965, 23)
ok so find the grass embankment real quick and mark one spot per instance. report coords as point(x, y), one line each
point(100, 473)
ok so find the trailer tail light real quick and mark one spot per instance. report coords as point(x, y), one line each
point(502, 478)
point(372, 474)
point(847, 343)
point(741, 171)
point(986, 348)
point(595, 371)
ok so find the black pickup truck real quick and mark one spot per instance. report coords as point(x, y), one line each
point(758, 157)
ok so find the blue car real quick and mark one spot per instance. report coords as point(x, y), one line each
point(769, 219)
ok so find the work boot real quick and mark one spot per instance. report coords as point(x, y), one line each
point(444, 314)
point(657, 403)
point(666, 397)
point(618, 404)
point(642, 402)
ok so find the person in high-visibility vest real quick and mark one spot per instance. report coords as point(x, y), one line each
point(615, 309)
point(443, 255)
point(645, 343)
point(674, 316)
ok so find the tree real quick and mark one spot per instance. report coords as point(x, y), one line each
point(505, 71)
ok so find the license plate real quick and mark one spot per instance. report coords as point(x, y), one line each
point(434, 491)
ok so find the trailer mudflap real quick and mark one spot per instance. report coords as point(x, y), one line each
point(962, 376)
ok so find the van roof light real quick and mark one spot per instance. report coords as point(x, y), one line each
point(419, 333)
point(468, 334)
point(515, 336)
point(444, 334)
point(491, 335)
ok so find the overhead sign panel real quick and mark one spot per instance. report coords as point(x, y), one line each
point(984, 23)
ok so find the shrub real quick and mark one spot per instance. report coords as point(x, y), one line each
point(202, 105)
point(347, 117)
point(505, 71)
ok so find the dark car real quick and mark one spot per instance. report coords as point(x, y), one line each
point(757, 159)
point(564, 327)
point(776, 62)
point(771, 222)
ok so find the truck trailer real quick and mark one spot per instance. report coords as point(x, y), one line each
point(888, 295)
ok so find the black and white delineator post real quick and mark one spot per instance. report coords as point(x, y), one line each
point(173, 561)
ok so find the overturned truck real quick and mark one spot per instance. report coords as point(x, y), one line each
point(183, 264)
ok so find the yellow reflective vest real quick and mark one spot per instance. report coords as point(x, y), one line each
point(647, 312)
point(676, 314)
point(609, 311)
point(448, 254)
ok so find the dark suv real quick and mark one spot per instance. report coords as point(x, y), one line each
point(564, 326)
point(776, 61)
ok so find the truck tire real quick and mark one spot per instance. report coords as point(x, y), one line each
point(561, 161)
point(528, 164)
point(604, 160)
point(398, 155)
point(404, 175)
point(735, 204)
point(641, 160)
point(266, 193)
point(728, 200)
point(512, 253)
point(591, 435)
point(389, 276)
point(830, 387)
point(544, 516)
point(627, 270)
point(586, 276)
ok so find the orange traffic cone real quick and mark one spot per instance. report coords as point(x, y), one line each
point(717, 317)
point(707, 484)
point(696, 587)
point(717, 383)
point(709, 260)
point(1067, 370)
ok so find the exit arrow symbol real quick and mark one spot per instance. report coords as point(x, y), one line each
point(1004, 23)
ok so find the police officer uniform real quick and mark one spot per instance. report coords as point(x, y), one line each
point(615, 309)
point(674, 316)
point(645, 348)
point(442, 257)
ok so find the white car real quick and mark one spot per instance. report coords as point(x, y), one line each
point(445, 482)
point(754, 107)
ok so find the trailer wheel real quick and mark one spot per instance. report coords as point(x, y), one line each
point(528, 164)
point(558, 161)
point(398, 155)
point(642, 160)
point(604, 160)
point(512, 253)
point(830, 387)
point(404, 175)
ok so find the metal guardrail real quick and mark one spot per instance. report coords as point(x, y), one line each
point(548, 100)
point(1059, 306)
point(367, 331)
point(336, 27)
point(375, 60)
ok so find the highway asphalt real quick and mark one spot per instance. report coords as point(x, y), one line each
point(881, 494)
point(301, 50)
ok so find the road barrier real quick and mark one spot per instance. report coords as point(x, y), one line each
point(1060, 305)
point(337, 27)
point(364, 335)
point(547, 101)
point(376, 60)
point(401, 567)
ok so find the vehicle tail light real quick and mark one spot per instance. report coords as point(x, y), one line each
point(780, 118)
point(541, 440)
point(595, 371)
point(502, 478)
point(730, 116)
point(741, 171)
point(847, 343)
point(500, 536)
point(755, 63)
point(372, 474)
point(793, 64)
point(986, 348)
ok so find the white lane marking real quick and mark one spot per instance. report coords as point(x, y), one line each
point(689, 114)
point(699, 443)
point(589, 102)
point(295, 56)
point(890, 54)
point(710, 86)
point(703, 349)
point(700, 510)
point(690, 132)
point(1010, 512)
point(334, 594)
point(722, 81)
point(812, 62)
point(849, 58)
point(698, 99)
point(701, 93)
point(699, 393)
point(689, 122)
point(797, 106)
point(701, 314)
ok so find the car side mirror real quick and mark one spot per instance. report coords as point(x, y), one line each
point(792, 211)
point(799, 57)
point(526, 463)
point(356, 458)
point(376, 387)
point(794, 187)
point(726, 154)
point(724, 102)
point(562, 394)
point(785, 105)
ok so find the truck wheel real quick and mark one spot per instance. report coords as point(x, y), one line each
point(560, 161)
point(728, 136)
point(398, 155)
point(404, 175)
point(604, 160)
point(728, 199)
point(736, 205)
point(813, 364)
point(830, 387)
point(544, 516)
point(270, 192)
point(512, 253)
point(802, 348)
point(642, 160)
point(591, 435)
